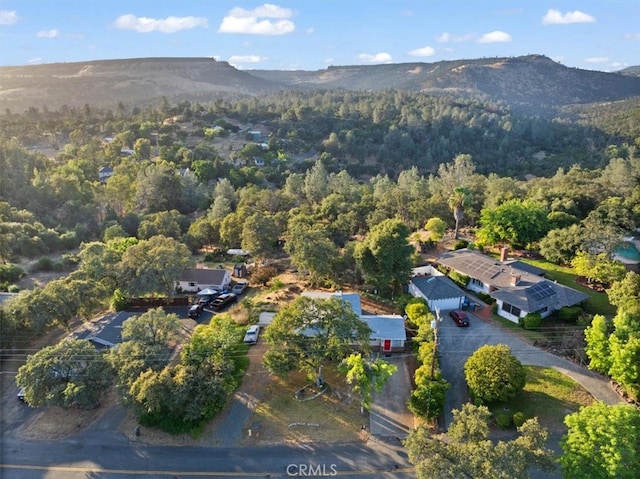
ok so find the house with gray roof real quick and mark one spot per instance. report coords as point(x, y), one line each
point(388, 333)
point(193, 280)
point(518, 288)
point(438, 291)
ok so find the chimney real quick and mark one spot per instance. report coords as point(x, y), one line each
point(503, 254)
point(515, 279)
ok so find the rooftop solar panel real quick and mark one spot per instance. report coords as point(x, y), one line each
point(541, 291)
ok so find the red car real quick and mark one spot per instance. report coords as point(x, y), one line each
point(459, 317)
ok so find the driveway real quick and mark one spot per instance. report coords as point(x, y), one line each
point(389, 415)
point(456, 344)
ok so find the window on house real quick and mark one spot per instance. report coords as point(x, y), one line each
point(508, 308)
point(476, 282)
point(192, 284)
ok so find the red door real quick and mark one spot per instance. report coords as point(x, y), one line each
point(386, 345)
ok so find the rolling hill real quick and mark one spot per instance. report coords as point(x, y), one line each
point(528, 82)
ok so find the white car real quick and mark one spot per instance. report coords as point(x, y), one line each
point(251, 336)
point(239, 287)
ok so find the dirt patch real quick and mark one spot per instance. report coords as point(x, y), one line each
point(55, 423)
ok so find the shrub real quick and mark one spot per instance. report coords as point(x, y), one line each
point(10, 273)
point(570, 313)
point(532, 320)
point(44, 264)
point(503, 420)
point(460, 244)
point(459, 279)
point(119, 301)
point(427, 400)
point(519, 418)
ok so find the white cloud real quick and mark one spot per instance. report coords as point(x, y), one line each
point(53, 33)
point(422, 52)
point(447, 37)
point(8, 17)
point(311, 31)
point(377, 58)
point(632, 36)
point(555, 17)
point(34, 61)
point(596, 60)
point(494, 37)
point(257, 21)
point(245, 59)
point(163, 25)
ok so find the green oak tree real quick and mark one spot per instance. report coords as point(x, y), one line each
point(366, 376)
point(518, 223)
point(153, 266)
point(597, 348)
point(467, 451)
point(153, 328)
point(603, 442)
point(72, 373)
point(494, 374)
point(385, 256)
point(309, 332)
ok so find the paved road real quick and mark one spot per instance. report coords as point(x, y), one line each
point(457, 344)
point(112, 457)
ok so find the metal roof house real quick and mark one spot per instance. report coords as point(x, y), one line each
point(518, 288)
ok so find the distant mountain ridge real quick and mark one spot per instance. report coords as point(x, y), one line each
point(528, 81)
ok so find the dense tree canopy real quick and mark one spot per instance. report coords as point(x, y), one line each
point(603, 442)
point(72, 373)
point(494, 374)
point(385, 257)
point(467, 450)
point(309, 332)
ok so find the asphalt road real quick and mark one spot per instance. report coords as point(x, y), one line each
point(111, 457)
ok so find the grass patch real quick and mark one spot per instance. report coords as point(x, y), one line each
point(530, 334)
point(548, 395)
point(332, 417)
point(598, 303)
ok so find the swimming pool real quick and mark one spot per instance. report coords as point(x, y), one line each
point(628, 251)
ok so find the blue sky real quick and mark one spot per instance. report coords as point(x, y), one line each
point(313, 34)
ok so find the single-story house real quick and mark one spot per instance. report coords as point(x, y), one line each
point(438, 291)
point(518, 288)
point(351, 298)
point(196, 279)
point(105, 173)
point(388, 333)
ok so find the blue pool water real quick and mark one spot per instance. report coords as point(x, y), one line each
point(628, 251)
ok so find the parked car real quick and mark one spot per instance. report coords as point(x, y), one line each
point(21, 395)
point(251, 336)
point(195, 311)
point(459, 317)
point(223, 301)
point(239, 287)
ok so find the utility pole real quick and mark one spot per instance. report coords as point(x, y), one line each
point(434, 326)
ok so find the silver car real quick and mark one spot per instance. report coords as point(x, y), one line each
point(251, 336)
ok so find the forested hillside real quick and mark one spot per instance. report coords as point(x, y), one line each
point(321, 177)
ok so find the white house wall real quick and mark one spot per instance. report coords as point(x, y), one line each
point(443, 304)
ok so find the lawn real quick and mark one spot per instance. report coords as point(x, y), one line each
point(548, 395)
